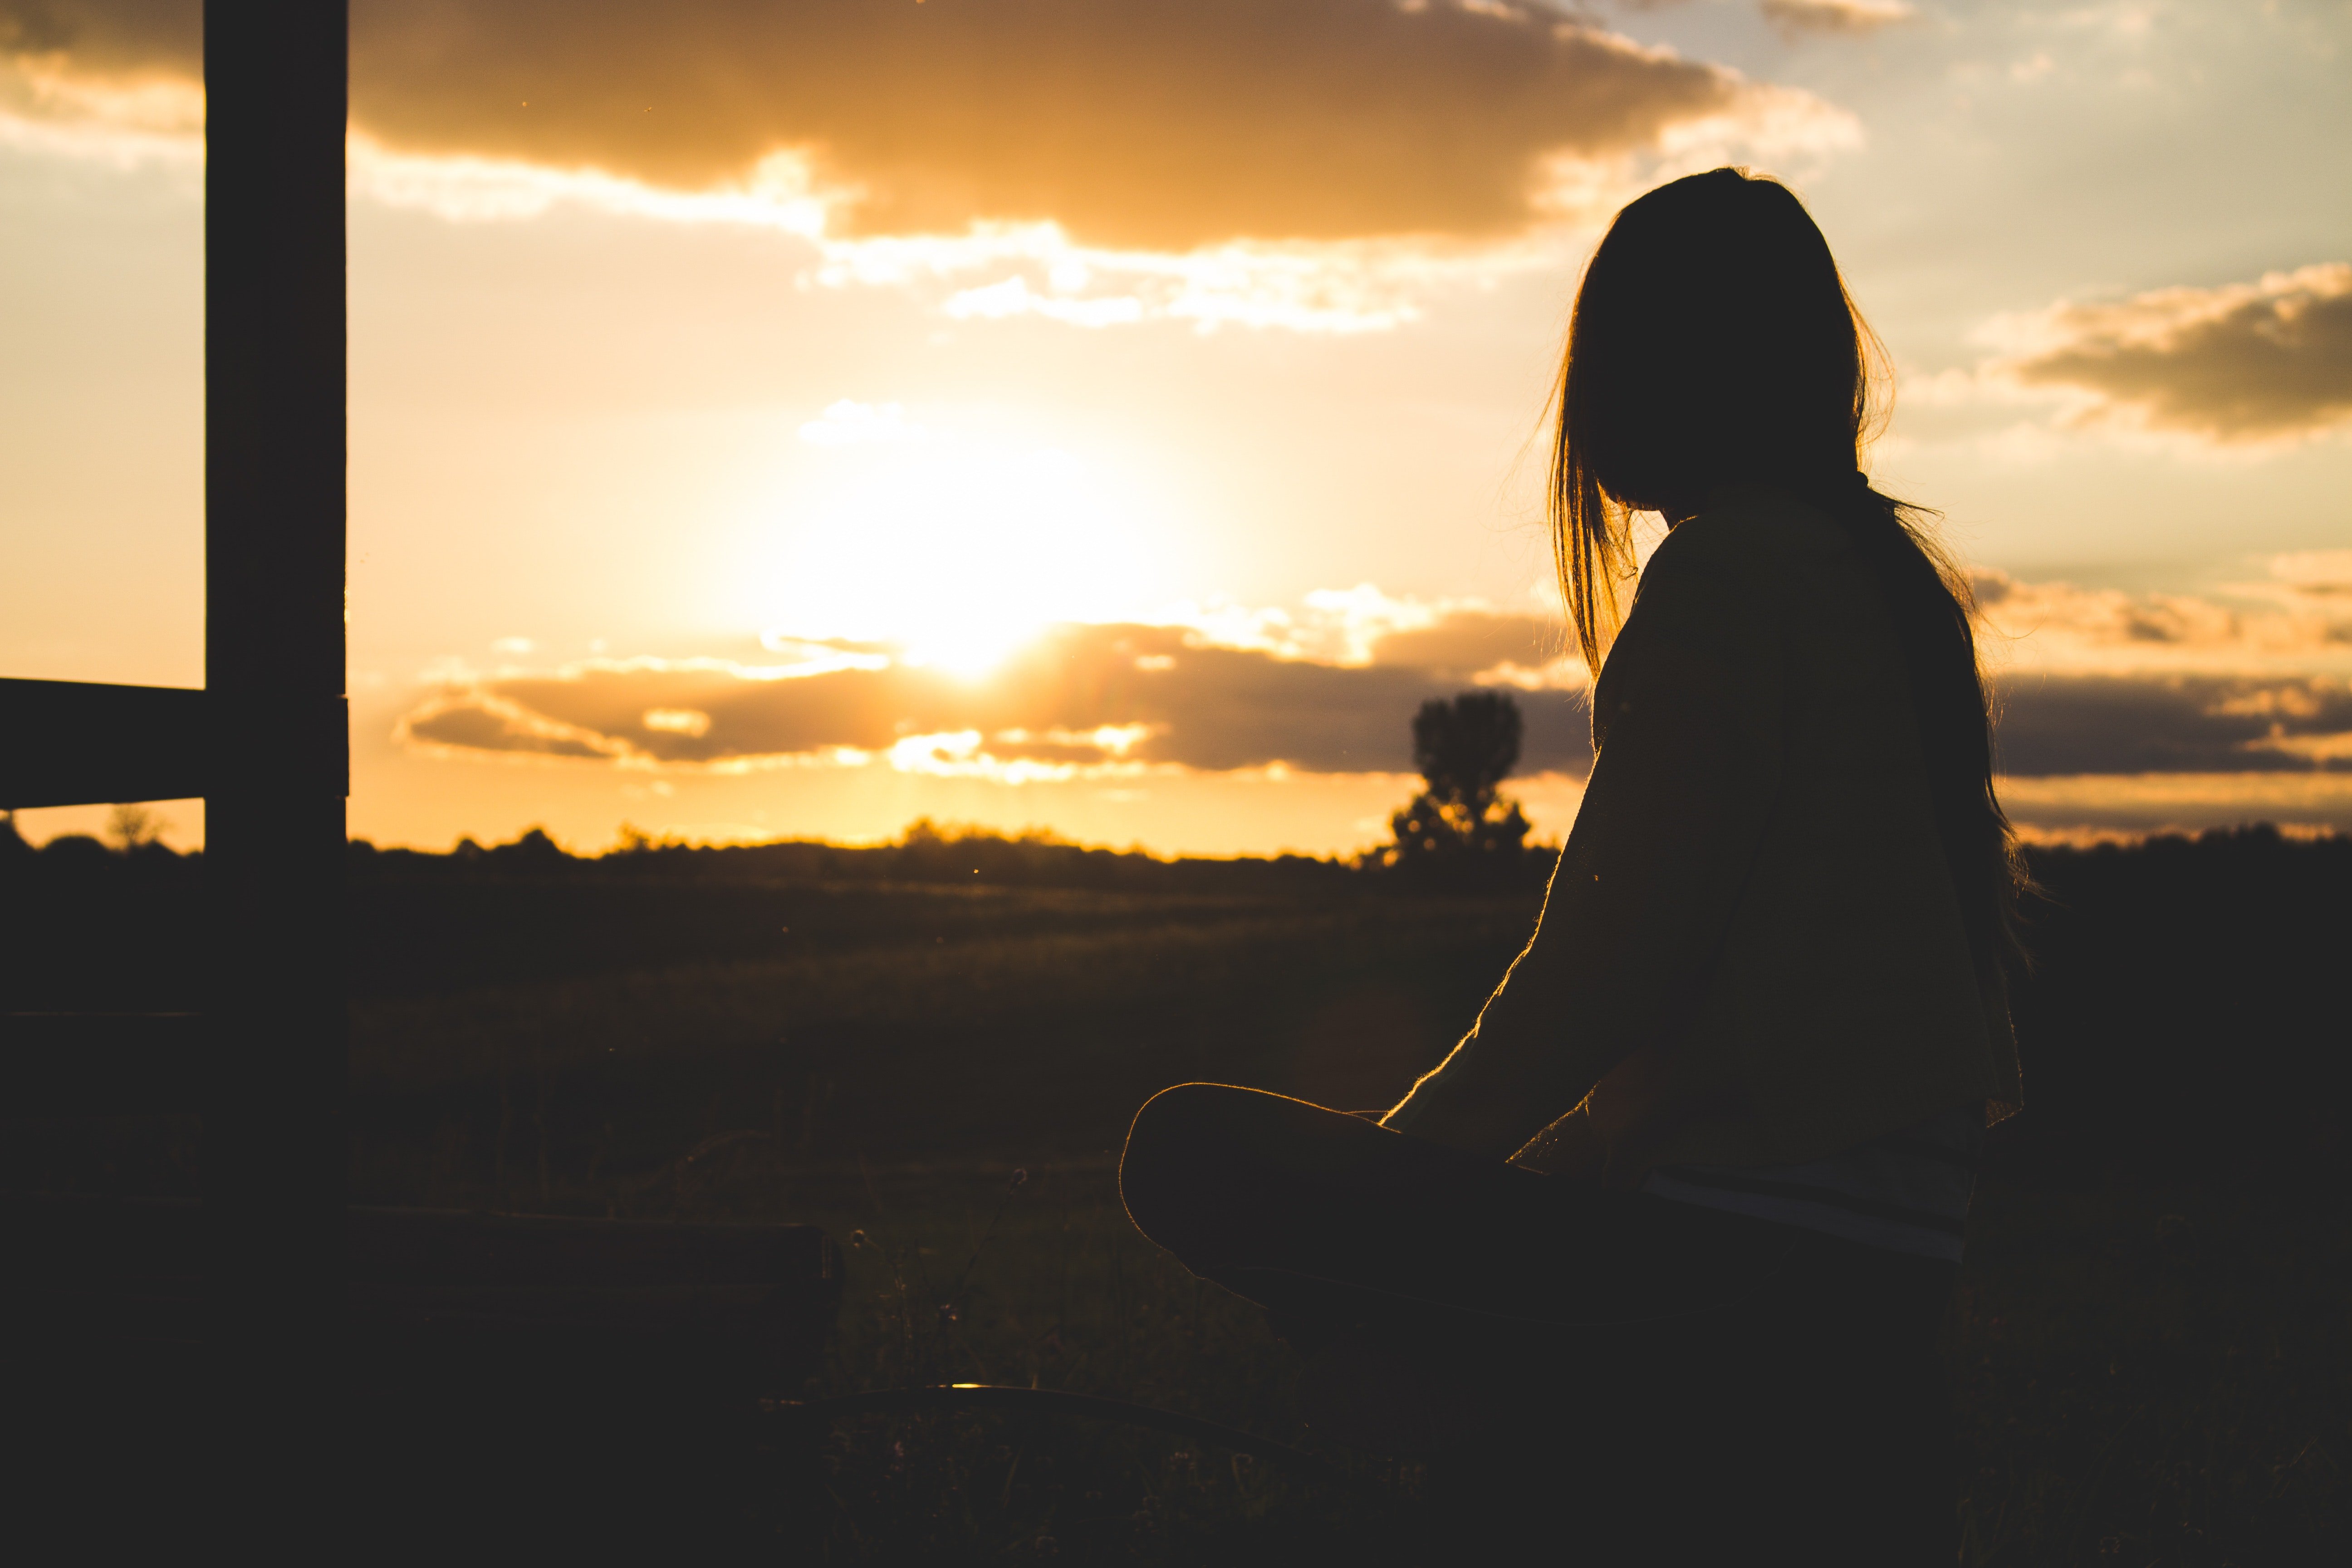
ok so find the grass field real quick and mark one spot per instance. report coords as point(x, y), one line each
point(2149, 1347)
point(1016, 1025)
point(2148, 1369)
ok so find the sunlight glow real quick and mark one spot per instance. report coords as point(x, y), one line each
point(677, 720)
point(957, 549)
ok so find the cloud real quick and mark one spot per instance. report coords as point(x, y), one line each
point(1359, 626)
point(1159, 125)
point(129, 40)
point(2298, 619)
point(2322, 577)
point(1331, 689)
point(1084, 699)
point(1318, 166)
point(1795, 16)
point(2061, 725)
point(2096, 680)
point(484, 722)
point(2242, 364)
point(1114, 699)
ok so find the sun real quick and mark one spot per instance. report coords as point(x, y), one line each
point(959, 552)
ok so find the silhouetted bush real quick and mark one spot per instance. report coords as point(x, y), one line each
point(83, 926)
point(1459, 831)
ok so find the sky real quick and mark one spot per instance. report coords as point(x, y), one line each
point(1115, 417)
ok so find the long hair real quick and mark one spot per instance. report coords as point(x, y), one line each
point(1714, 341)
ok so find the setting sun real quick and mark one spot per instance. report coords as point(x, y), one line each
point(952, 548)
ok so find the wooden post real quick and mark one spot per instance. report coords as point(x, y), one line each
point(276, 84)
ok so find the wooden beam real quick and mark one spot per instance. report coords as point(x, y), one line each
point(275, 86)
point(72, 742)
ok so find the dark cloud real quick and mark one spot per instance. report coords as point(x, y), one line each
point(1161, 123)
point(2248, 361)
point(1468, 641)
point(865, 709)
point(2148, 724)
point(1090, 695)
point(466, 725)
point(1165, 697)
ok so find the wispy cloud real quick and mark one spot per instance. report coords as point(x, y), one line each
point(2240, 365)
point(2298, 619)
point(2320, 578)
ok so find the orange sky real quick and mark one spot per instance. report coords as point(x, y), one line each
point(1115, 417)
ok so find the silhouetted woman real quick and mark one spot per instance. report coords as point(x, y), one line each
point(1666, 1239)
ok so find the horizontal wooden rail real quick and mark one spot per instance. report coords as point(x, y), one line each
point(73, 743)
point(77, 742)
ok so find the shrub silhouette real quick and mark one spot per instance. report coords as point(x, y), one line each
point(133, 827)
point(1459, 828)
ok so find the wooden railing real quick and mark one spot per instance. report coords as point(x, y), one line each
point(69, 742)
point(266, 745)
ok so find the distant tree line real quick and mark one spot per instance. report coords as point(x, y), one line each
point(926, 852)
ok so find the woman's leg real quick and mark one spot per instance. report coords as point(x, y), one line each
point(1681, 1381)
point(1309, 1210)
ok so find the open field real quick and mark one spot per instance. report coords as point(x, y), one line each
point(2149, 1347)
point(986, 1024)
point(2150, 1369)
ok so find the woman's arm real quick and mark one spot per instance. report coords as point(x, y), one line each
point(1687, 726)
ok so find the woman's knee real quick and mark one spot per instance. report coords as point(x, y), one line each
point(1163, 1144)
point(1185, 1112)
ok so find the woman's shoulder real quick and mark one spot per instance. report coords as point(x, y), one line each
point(1750, 530)
point(1751, 558)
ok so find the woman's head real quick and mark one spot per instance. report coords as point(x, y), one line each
point(1713, 340)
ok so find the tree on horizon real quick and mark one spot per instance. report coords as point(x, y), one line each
point(1460, 824)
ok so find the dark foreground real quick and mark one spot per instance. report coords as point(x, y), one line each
point(2149, 1350)
point(2142, 1376)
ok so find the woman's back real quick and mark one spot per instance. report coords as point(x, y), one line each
point(1844, 984)
point(1752, 952)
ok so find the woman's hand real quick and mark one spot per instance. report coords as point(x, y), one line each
point(1495, 1132)
point(1569, 1147)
